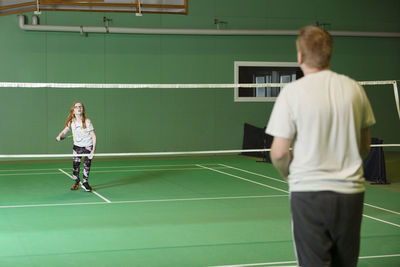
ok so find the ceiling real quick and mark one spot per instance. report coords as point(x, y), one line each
point(131, 6)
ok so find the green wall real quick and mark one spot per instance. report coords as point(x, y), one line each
point(143, 120)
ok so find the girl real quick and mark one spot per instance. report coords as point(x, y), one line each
point(84, 142)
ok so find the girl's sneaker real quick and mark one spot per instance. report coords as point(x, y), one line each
point(76, 185)
point(86, 186)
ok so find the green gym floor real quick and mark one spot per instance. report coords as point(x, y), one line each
point(182, 211)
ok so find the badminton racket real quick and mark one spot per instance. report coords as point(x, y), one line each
point(65, 137)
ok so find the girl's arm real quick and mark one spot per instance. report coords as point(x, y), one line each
point(62, 134)
point(94, 142)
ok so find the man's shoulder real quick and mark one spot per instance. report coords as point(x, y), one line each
point(294, 86)
point(343, 77)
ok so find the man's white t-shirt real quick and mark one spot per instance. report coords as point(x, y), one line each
point(323, 113)
point(82, 137)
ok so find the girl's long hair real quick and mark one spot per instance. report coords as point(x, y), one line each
point(71, 116)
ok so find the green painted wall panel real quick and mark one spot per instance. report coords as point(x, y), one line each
point(24, 121)
point(187, 59)
point(22, 53)
point(132, 120)
point(75, 59)
point(132, 59)
point(178, 119)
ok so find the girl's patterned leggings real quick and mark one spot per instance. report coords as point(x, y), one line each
point(77, 162)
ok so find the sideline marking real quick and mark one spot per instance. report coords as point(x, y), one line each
point(275, 179)
point(93, 191)
point(379, 256)
point(379, 220)
point(251, 181)
point(379, 208)
point(290, 262)
point(244, 179)
point(271, 178)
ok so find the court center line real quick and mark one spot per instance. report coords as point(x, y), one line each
point(244, 179)
point(290, 262)
point(93, 191)
point(271, 178)
point(142, 201)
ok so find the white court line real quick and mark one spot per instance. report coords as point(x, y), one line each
point(244, 179)
point(140, 201)
point(279, 263)
point(145, 166)
point(379, 256)
point(30, 173)
point(23, 170)
point(153, 170)
point(213, 169)
point(271, 178)
point(258, 264)
point(93, 191)
point(248, 180)
point(376, 207)
point(100, 196)
point(379, 220)
point(275, 179)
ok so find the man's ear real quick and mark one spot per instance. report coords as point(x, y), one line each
point(299, 58)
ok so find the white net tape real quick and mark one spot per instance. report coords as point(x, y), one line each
point(133, 86)
point(209, 152)
point(145, 154)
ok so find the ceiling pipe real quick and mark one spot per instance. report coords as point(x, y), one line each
point(105, 29)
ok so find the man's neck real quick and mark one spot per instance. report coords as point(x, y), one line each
point(309, 70)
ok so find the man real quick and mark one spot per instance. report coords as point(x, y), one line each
point(325, 117)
